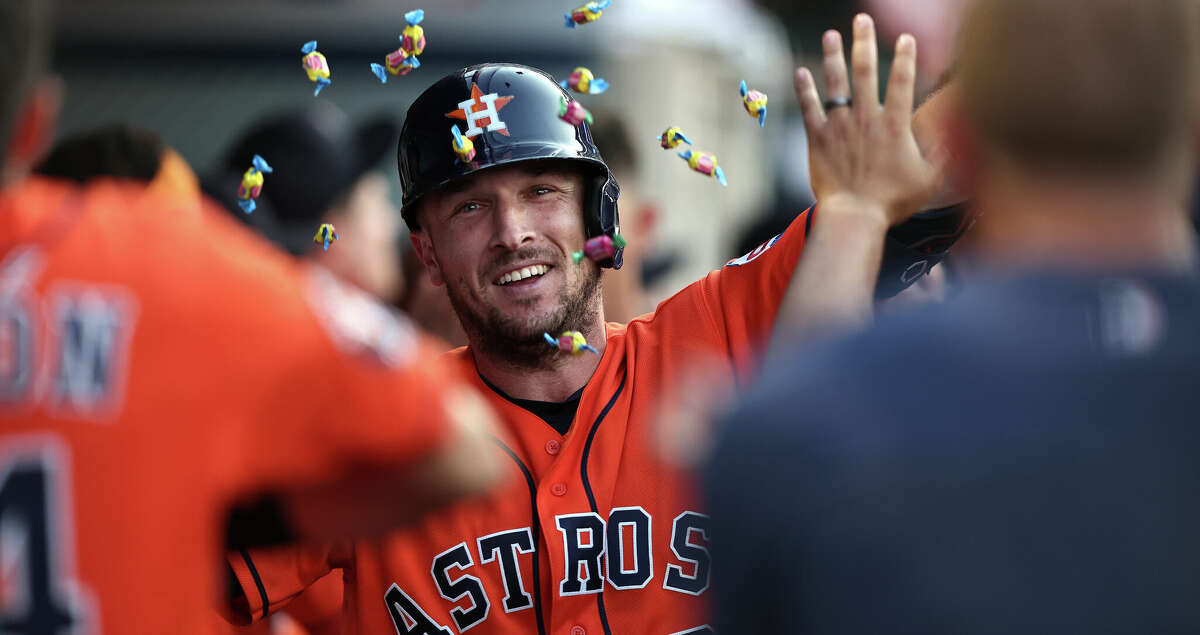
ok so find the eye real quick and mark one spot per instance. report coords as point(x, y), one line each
point(542, 190)
point(469, 206)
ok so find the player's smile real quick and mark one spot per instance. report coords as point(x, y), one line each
point(522, 275)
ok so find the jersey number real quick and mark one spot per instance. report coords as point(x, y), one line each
point(31, 551)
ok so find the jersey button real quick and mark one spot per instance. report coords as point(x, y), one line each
point(560, 489)
point(578, 630)
point(553, 446)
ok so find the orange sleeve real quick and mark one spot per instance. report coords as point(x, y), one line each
point(332, 383)
point(737, 305)
point(271, 578)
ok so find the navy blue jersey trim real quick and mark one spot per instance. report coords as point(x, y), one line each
point(262, 589)
point(587, 486)
point(808, 220)
point(535, 527)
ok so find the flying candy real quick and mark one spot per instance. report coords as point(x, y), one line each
point(570, 342)
point(672, 137)
point(412, 43)
point(600, 248)
point(755, 104)
point(704, 163)
point(589, 12)
point(582, 81)
point(574, 113)
point(462, 146)
point(326, 234)
point(252, 182)
point(315, 64)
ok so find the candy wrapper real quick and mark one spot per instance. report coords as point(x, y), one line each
point(583, 81)
point(600, 248)
point(574, 113)
point(672, 137)
point(252, 182)
point(412, 43)
point(462, 145)
point(325, 235)
point(315, 65)
point(589, 12)
point(705, 163)
point(755, 104)
point(571, 342)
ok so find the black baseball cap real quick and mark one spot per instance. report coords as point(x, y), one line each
point(317, 155)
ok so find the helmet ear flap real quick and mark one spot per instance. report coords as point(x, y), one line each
point(600, 212)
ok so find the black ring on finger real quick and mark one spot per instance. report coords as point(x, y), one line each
point(838, 102)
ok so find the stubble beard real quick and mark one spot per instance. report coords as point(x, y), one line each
point(519, 341)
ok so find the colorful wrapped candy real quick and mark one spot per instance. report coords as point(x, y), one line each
point(755, 104)
point(316, 66)
point(704, 163)
point(412, 43)
point(573, 112)
point(252, 182)
point(582, 81)
point(589, 12)
point(600, 248)
point(672, 137)
point(571, 342)
point(462, 146)
point(325, 235)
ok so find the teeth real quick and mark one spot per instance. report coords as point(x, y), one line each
point(523, 273)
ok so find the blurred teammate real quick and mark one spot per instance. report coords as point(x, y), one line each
point(1022, 459)
point(156, 364)
point(596, 533)
point(326, 171)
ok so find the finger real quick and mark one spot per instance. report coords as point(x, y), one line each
point(864, 64)
point(837, 86)
point(902, 80)
point(810, 102)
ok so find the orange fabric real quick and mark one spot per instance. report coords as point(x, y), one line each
point(728, 314)
point(225, 369)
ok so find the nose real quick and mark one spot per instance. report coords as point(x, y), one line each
point(513, 226)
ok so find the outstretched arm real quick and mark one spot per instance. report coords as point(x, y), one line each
point(867, 173)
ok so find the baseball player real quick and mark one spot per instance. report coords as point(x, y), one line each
point(594, 533)
point(157, 364)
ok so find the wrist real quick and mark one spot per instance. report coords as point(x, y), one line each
point(867, 214)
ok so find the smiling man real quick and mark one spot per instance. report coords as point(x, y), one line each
point(595, 533)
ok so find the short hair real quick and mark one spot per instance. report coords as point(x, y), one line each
point(1081, 84)
point(118, 150)
point(24, 47)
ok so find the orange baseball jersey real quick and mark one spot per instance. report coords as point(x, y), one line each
point(156, 363)
point(595, 533)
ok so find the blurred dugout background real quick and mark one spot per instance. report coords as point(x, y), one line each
point(198, 72)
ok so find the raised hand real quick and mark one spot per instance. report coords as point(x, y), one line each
point(859, 149)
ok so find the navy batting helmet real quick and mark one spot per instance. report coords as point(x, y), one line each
point(510, 113)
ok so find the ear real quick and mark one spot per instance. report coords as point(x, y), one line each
point(423, 246)
point(962, 148)
point(33, 128)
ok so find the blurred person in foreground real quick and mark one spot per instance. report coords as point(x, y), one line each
point(123, 152)
point(160, 364)
point(326, 171)
point(1022, 458)
point(120, 151)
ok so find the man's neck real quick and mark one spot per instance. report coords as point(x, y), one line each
point(556, 381)
point(1030, 222)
